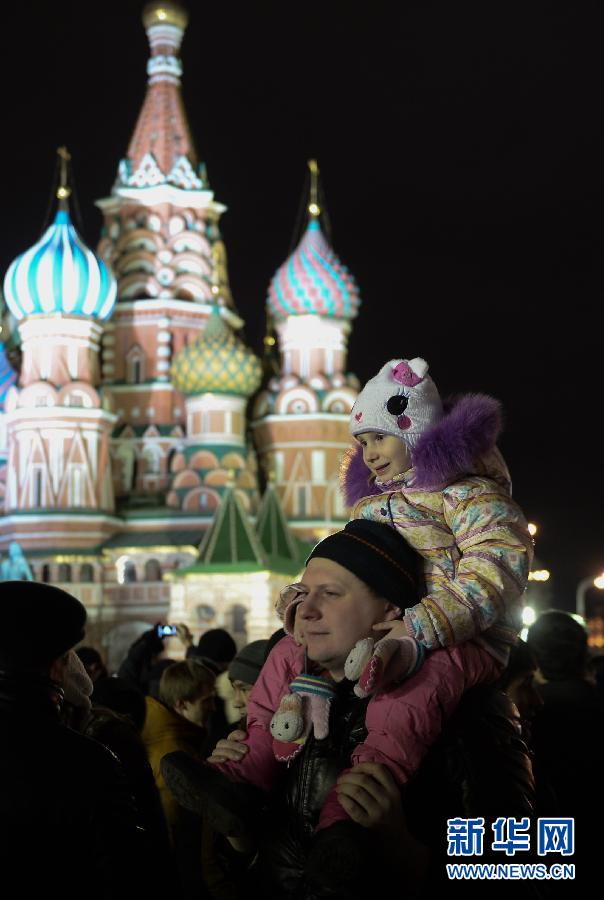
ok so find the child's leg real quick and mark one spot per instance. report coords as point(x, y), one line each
point(404, 723)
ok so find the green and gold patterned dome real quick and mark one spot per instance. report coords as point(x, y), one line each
point(216, 362)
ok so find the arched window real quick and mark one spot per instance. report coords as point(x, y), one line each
point(37, 488)
point(171, 454)
point(135, 365)
point(125, 570)
point(238, 619)
point(64, 572)
point(127, 458)
point(86, 572)
point(152, 570)
point(152, 458)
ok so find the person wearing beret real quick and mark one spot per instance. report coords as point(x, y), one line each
point(66, 815)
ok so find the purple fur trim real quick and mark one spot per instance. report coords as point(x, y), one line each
point(354, 477)
point(449, 449)
point(469, 429)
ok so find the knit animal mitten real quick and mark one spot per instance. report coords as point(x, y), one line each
point(306, 706)
point(289, 727)
point(375, 666)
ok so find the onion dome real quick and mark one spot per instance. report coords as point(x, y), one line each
point(313, 280)
point(60, 274)
point(216, 362)
point(8, 376)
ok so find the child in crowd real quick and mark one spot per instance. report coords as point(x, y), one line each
point(437, 479)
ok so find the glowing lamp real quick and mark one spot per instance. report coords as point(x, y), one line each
point(528, 616)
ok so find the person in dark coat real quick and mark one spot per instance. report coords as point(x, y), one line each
point(67, 818)
point(143, 666)
point(296, 858)
point(568, 731)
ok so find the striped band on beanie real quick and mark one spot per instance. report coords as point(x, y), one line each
point(379, 556)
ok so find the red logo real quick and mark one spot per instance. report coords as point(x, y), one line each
point(359, 416)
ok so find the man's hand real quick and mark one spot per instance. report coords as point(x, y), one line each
point(184, 635)
point(371, 797)
point(229, 749)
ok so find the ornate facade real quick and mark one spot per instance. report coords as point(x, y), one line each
point(127, 472)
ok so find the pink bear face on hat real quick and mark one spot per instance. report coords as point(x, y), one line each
point(409, 374)
point(404, 374)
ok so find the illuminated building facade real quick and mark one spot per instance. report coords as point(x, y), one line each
point(126, 469)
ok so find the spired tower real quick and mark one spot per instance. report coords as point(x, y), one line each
point(301, 418)
point(162, 239)
point(58, 490)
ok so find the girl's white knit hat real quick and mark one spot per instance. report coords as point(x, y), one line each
point(402, 400)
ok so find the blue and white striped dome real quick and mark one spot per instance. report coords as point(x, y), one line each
point(8, 376)
point(60, 274)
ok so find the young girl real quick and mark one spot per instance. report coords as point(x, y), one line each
point(438, 479)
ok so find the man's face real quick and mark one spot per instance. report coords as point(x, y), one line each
point(199, 710)
point(384, 454)
point(338, 610)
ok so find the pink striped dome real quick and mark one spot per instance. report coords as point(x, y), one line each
point(313, 280)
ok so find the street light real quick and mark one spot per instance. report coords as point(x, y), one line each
point(532, 529)
point(539, 575)
point(528, 616)
point(582, 588)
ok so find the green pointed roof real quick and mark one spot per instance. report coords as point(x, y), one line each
point(231, 541)
point(274, 533)
point(232, 545)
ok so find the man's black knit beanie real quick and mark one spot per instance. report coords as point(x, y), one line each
point(378, 555)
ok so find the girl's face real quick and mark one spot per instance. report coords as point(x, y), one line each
point(384, 455)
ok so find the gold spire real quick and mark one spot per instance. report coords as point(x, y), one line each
point(313, 207)
point(63, 191)
point(168, 13)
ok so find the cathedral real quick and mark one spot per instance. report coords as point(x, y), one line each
point(150, 462)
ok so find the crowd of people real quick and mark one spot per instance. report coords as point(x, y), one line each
point(396, 699)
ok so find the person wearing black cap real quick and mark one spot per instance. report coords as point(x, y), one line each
point(353, 581)
point(64, 797)
point(243, 673)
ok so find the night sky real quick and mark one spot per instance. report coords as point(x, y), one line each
point(461, 154)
